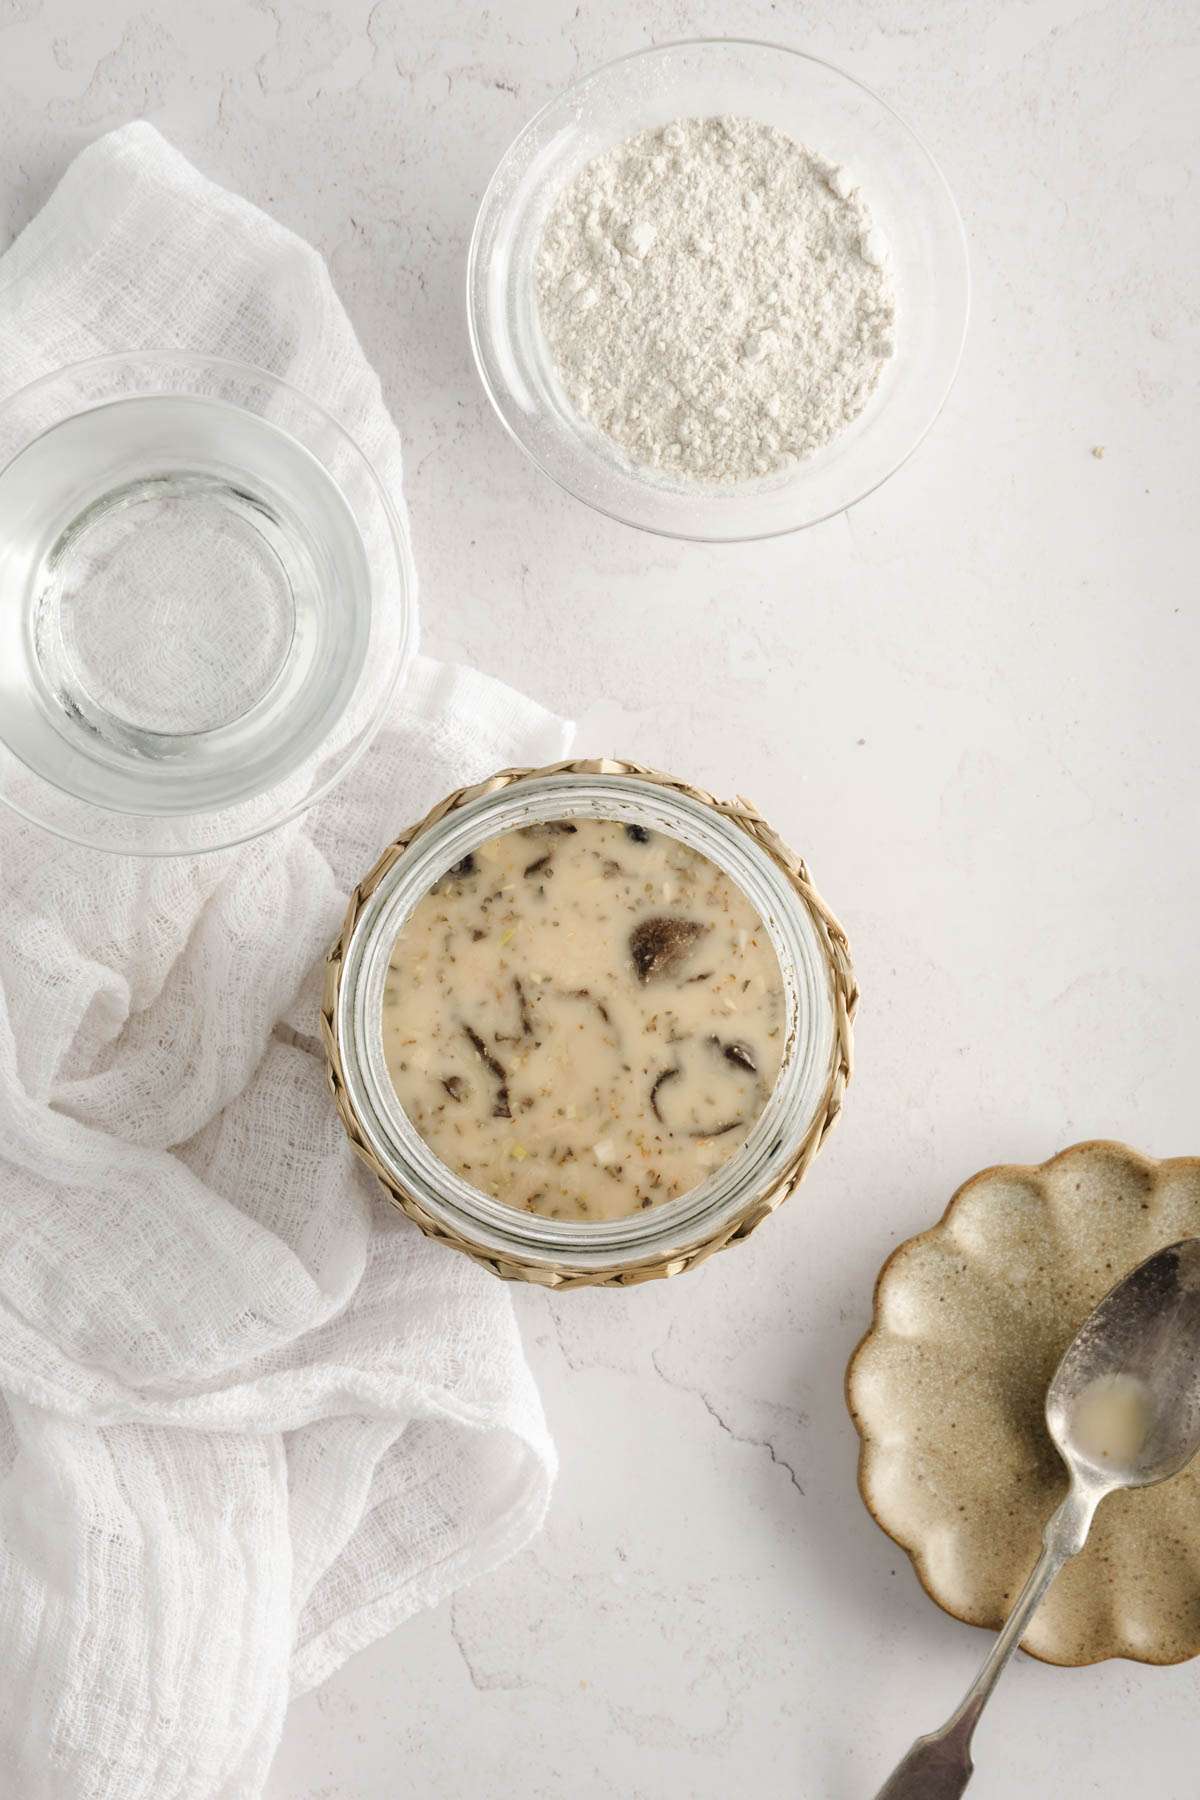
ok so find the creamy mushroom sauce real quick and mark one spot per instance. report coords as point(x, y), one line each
point(1112, 1419)
point(584, 1018)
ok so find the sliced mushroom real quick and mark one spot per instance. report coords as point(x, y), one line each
point(523, 1006)
point(659, 1081)
point(661, 946)
point(502, 1109)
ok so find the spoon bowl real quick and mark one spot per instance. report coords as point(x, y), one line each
point(1131, 1375)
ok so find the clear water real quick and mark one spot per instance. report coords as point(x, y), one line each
point(184, 604)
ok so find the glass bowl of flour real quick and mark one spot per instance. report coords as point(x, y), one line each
point(718, 290)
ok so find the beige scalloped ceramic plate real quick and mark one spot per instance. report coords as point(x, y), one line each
point(947, 1390)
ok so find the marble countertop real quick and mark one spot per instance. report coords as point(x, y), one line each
point(971, 703)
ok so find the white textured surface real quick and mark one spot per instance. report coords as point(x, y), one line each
point(972, 703)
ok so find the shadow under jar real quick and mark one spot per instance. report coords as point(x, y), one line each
point(818, 999)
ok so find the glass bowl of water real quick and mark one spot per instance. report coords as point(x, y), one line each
point(207, 599)
point(835, 118)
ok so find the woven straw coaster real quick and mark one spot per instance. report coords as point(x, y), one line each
point(843, 988)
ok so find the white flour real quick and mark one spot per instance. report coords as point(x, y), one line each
point(715, 298)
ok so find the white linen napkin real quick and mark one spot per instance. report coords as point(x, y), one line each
point(250, 1418)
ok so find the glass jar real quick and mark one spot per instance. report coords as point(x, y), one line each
point(806, 1099)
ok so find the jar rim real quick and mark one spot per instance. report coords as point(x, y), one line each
point(806, 1097)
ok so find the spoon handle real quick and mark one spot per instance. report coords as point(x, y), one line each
point(939, 1766)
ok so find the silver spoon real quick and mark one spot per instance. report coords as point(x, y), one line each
point(1123, 1410)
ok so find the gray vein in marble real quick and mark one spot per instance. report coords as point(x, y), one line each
point(756, 1443)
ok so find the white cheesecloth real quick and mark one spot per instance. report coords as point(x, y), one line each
point(249, 1417)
